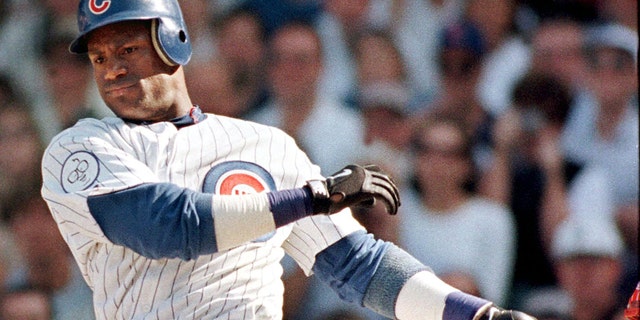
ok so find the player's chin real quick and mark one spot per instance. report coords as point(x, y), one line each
point(140, 113)
point(129, 111)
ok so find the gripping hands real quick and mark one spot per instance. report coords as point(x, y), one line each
point(354, 185)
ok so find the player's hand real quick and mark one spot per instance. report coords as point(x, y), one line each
point(354, 185)
point(495, 313)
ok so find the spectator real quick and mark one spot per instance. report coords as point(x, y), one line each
point(388, 127)
point(611, 51)
point(25, 304)
point(378, 59)
point(461, 52)
point(529, 173)
point(603, 127)
point(62, 96)
point(241, 53)
point(223, 80)
point(68, 78)
point(199, 16)
point(18, 169)
point(18, 165)
point(445, 223)
point(507, 55)
point(32, 26)
point(22, 26)
point(338, 26)
point(299, 108)
point(415, 26)
point(556, 48)
point(49, 265)
point(587, 259)
point(212, 87)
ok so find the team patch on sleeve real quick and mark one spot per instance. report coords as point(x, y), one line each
point(79, 171)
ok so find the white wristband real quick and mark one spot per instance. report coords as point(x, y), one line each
point(423, 297)
point(239, 219)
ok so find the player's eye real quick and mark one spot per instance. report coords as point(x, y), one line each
point(97, 60)
point(129, 50)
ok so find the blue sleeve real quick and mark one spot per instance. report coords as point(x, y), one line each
point(348, 265)
point(157, 220)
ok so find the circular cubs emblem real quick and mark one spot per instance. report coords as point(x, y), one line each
point(237, 178)
point(79, 171)
point(99, 6)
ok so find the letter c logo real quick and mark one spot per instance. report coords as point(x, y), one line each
point(101, 8)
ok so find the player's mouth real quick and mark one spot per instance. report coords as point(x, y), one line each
point(120, 89)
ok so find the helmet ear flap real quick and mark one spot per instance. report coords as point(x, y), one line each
point(155, 38)
point(171, 41)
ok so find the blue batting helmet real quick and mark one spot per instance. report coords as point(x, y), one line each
point(168, 32)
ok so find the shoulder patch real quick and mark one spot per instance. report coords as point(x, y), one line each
point(79, 171)
point(237, 177)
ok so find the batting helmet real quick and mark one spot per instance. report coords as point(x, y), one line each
point(168, 32)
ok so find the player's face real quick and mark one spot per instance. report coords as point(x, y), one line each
point(132, 79)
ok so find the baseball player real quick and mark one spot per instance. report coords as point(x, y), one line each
point(175, 214)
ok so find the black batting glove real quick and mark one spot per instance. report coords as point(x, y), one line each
point(354, 186)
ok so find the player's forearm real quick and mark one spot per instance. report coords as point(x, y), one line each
point(403, 288)
point(162, 220)
point(425, 297)
point(239, 219)
point(386, 279)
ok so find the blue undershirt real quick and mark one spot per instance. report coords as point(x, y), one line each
point(162, 220)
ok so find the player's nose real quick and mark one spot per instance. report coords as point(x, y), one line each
point(114, 69)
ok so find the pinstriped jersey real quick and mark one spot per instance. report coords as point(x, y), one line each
point(218, 155)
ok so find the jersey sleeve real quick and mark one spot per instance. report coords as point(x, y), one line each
point(86, 160)
point(311, 235)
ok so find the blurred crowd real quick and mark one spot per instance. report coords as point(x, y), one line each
point(510, 126)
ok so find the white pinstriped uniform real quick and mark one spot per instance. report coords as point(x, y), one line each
point(242, 283)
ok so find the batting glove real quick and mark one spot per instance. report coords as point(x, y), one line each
point(354, 185)
point(495, 313)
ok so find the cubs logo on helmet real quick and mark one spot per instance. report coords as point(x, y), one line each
point(99, 8)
